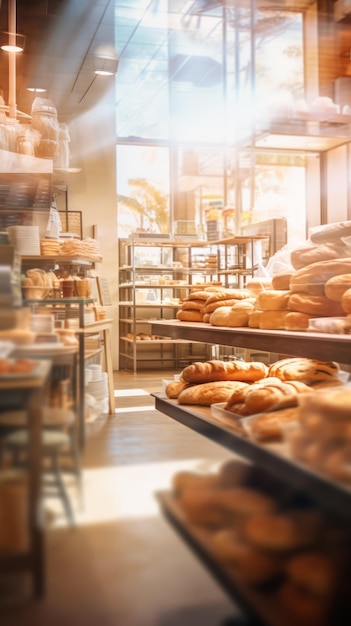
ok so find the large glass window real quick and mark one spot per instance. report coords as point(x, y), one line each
point(196, 82)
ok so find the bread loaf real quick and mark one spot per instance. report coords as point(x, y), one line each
point(303, 369)
point(316, 306)
point(261, 396)
point(312, 278)
point(174, 388)
point(313, 253)
point(209, 307)
point(346, 301)
point(224, 370)
point(331, 232)
point(256, 285)
point(295, 320)
point(206, 394)
point(269, 426)
point(189, 316)
point(272, 320)
point(229, 316)
point(254, 319)
point(228, 294)
point(336, 286)
point(192, 305)
point(281, 281)
point(273, 300)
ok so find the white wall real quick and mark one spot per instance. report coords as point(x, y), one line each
point(93, 191)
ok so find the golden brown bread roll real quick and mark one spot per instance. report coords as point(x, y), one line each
point(273, 300)
point(201, 507)
point(174, 388)
point(303, 607)
point(192, 480)
point(269, 426)
point(254, 319)
point(312, 278)
point(189, 316)
point(294, 320)
point(336, 286)
point(193, 305)
point(304, 369)
point(206, 394)
point(228, 294)
point(224, 370)
point(227, 316)
point(346, 301)
point(334, 404)
point(260, 397)
point(275, 531)
point(256, 285)
point(210, 307)
point(240, 502)
point(316, 306)
point(281, 281)
point(272, 320)
point(313, 571)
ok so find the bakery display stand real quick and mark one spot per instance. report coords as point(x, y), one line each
point(154, 276)
point(332, 497)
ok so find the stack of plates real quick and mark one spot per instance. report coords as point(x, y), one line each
point(25, 239)
point(44, 324)
point(99, 390)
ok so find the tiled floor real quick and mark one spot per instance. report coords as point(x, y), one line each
point(123, 565)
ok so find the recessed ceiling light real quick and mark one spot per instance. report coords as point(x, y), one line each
point(11, 42)
point(105, 66)
point(36, 89)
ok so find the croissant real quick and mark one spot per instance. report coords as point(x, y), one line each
point(208, 371)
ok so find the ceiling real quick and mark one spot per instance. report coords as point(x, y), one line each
point(64, 37)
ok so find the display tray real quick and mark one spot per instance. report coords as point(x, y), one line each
point(261, 604)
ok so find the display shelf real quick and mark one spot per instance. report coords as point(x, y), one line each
point(304, 135)
point(274, 457)
point(261, 607)
point(313, 345)
point(61, 259)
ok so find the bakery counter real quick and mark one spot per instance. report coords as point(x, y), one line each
point(271, 457)
point(323, 346)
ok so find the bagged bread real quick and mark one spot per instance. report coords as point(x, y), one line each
point(312, 278)
point(313, 253)
point(281, 281)
point(331, 232)
point(213, 370)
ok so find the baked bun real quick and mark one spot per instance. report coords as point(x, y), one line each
point(256, 285)
point(281, 281)
point(333, 404)
point(312, 278)
point(192, 480)
point(315, 305)
point(303, 608)
point(206, 394)
point(314, 572)
point(201, 507)
point(304, 369)
point(242, 501)
point(294, 320)
point(346, 301)
point(254, 319)
point(213, 370)
point(272, 320)
point(336, 286)
point(228, 316)
point(174, 388)
point(269, 426)
point(274, 531)
point(273, 300)
point(189, 316)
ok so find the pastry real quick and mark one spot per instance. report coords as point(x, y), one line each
point(206, 394)
point(269, 426)
point(304, 369)
point(174, 388)
point(276, 532)
point(224, 370)
point(314, 572)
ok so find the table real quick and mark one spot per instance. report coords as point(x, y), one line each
point(28, 391)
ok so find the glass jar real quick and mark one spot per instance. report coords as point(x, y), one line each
point(45, 122)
